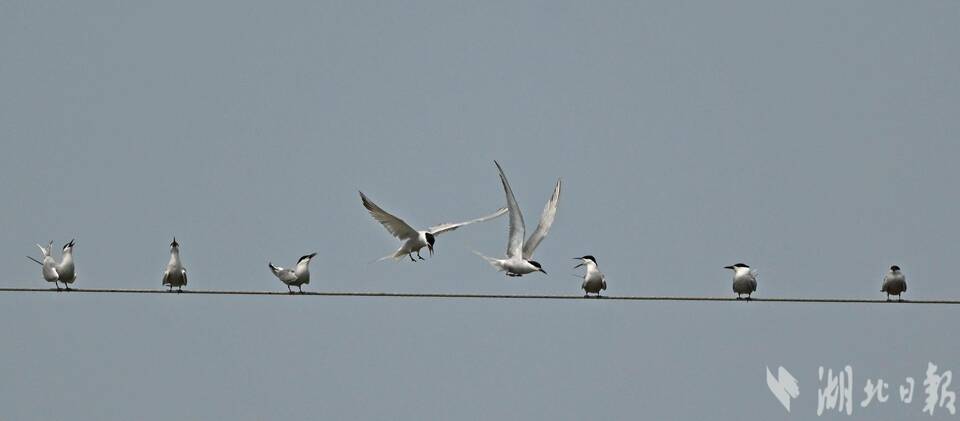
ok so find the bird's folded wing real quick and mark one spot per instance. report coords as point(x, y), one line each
point(394, 225)
point(442, 228)
point(546, 220)
point(183, 272)
point(517, 228)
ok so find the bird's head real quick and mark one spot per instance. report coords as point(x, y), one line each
point(430, 240)
point(174, 244)
point(306, 259)
point(537, 265)
point(737, 266)
point(584, 260)
point(68, 247)
point(894, 268)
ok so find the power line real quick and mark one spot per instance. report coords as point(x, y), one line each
point(472, 296)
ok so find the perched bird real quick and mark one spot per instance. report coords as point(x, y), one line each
point(294, 277)
point(412, 239)
point(744, 279)
point(49, 265)
point(894, 283)
point(66, 269)
point(519, 253)
point(175, 275)
point(593, 279)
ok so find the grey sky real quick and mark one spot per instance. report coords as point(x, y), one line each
point(815, 141)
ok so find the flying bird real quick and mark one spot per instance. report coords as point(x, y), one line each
point(593, 279)
point(894, 283)
point(414, 240)
point(175, 275)
point(294, 277)
point(519, 253)
point(744, 279)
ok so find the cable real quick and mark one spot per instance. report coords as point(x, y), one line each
point(474, 296)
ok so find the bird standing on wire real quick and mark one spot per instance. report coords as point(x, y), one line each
point(294, 277)
point(744, 279)
point(66, 269)
point(894, 283)
point(175, 275)
point(593, 279)
point(48, 265)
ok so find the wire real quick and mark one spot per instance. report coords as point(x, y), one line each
point(474, 296)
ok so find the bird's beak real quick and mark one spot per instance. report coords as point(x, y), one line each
point(728, 267)
point(578, 266)
point(312, 255)
point(544, 272)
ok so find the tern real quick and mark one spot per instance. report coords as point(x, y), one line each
point(175, 275)
point(894, 283)
point(294, 277)
point(66, 269)
point(49, 265)
point(593, 279)
point(744, 279)
point(519, 253)
point(414, 240)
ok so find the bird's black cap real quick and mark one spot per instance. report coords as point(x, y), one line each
point(591, 258)
point(174, 243)
point(894, 268)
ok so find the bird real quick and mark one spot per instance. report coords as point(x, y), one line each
point(49, 265)
point(412, 239)
point(593, 279)
point(744, 279)
point(519, 253)
point(894, 283)
point(175, 275)
point(294, 277)
point(66, 269)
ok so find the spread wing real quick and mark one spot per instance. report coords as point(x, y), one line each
point(517, 229)
point(546, 220)
point(394, 225)
point(442, 228)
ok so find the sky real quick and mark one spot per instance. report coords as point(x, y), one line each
point(815, 141)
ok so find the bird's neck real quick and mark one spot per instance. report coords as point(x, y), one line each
point(174, 256)
point(303, 267)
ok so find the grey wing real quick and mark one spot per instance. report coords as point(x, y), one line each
point(517, 228)
point(166, 277)
point(546, 220)
point(442, 228)
point(396, 226)
point(183, 272)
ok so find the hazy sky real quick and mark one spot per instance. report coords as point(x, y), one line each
point(815, 141)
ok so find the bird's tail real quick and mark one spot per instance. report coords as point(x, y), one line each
point(394, 256)
point(490, 260)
